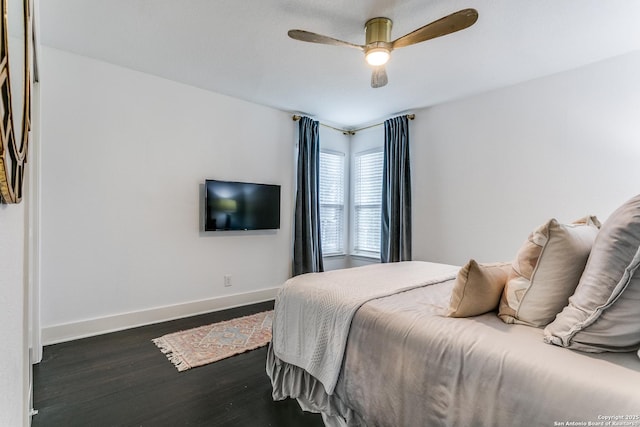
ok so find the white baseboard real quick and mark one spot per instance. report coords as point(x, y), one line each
point(87, 328)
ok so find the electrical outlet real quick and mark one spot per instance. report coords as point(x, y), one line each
point(227, 280)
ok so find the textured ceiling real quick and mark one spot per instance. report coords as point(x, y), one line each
point(240, 48)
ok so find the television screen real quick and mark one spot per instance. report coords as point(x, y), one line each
point(241, 206)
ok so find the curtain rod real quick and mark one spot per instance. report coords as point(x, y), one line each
point(297, 117)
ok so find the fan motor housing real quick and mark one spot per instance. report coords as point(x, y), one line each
point(378, 32)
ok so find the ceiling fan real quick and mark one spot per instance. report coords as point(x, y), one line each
point(378, 46)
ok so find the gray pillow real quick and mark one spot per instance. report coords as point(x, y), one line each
point(604, 312)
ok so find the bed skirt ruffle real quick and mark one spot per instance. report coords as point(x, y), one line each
point(289, 381)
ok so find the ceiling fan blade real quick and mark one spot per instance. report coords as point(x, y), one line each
point(379, 77)
point(449, 24)
point(307, 36)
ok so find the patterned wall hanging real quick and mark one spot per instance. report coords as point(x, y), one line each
point(15, 95)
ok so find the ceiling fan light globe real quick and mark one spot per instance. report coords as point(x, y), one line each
point(377, 56)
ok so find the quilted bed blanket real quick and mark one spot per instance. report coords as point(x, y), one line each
point(313, 312)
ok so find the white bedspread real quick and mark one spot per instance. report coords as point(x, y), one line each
point(313, 312)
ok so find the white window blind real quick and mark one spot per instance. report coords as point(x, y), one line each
point(332, 202)
point(367, 202)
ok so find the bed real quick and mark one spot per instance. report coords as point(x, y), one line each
point(402, 362)
point(549, 339)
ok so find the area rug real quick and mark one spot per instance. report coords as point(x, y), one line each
point(206, 344)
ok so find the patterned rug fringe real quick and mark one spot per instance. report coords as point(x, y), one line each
point(173, 356)
point(210, 343)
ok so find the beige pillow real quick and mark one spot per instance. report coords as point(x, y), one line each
point(604, 312)
point(546, 271)
point(477, 288)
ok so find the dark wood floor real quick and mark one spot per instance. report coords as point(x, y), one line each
point(122, 379)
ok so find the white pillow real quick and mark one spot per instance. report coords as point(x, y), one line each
point(604, 312)
point(546, 271)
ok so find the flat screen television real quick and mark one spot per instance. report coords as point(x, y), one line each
point(241, 206)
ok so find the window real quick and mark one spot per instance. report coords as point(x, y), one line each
point(367, 202)
point(332, 202)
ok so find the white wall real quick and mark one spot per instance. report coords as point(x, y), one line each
point(13, 326)
point(489, 169)
point(15, 366)
point(124, 155)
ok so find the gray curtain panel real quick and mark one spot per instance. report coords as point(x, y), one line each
point(395, 241)
point(307, 249)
